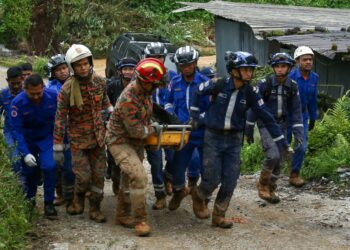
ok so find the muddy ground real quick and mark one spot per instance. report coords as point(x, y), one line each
point(307, 218)
point(304, 219)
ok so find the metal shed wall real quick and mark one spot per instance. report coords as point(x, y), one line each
point(235, 36)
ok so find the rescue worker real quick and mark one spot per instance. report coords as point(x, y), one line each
point(58, 73)
point(27, 70)
point(281, 97)
point(32, 117)
point(155, 157)
point(307, 81)
point(224, 121)
point(82, 99)
point(128, 126)
point(115, 86)
point(15, 81)
point(178, 101)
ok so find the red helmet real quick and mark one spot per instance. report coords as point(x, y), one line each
point(150, 70)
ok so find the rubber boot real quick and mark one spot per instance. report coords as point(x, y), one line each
point(123, 212)
point(295, 180)
point(274, 197)
point(192, 182)
point(115, 188)
point(200, 207)
point(160, 203)
point(59, 200)
point(177, 198)
point(77, 206)
point(50, 211)
point(168, 186)
point(142, 229)
point(95, 208)
point(263, 185)
point(138, 206)
point(218, 216)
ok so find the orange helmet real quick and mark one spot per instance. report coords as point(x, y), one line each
point(150, 70)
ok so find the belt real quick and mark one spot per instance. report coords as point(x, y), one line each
point(224, 132)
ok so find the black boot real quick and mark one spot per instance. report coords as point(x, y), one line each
point(50, 211)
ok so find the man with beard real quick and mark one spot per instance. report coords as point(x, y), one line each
point(307, 81)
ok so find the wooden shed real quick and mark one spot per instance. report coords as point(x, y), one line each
point(249, 27)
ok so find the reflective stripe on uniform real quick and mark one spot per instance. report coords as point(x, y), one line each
point(194, 108)
point(250, 123)
point(157, 96)
point(168, 106)
point(279, 101)
point(188, 97)
point(230, 108)
point(298, 125)
point(278, 138)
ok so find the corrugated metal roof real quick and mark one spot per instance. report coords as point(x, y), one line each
point(264, 17)
point(320, 42)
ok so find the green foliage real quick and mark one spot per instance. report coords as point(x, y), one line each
point(14, 21)
point(14, 211)
point(96, 23)
point(252, 157)
point(39, 64)
point(329, 142)
point(261, 72)
point(311, 3)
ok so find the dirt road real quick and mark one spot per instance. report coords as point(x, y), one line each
point(303, 220)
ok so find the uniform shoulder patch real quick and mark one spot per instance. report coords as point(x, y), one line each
point(255, 89)
point(14, 113)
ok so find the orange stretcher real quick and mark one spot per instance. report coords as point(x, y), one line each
point(170, 136)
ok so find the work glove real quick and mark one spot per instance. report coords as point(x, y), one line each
point(30, 160)
point(249, 133)
point(58, 154)
point(311, 125)
point(157, 128)
point(285, 150)
point(194, 123)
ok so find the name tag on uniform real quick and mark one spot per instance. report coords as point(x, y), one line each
point(223, 95)
point(243, 101)
point(178, 89)
point(273, 91)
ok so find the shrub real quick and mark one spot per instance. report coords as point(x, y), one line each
point(14, 212)
point(329, 142)
point(252, 157)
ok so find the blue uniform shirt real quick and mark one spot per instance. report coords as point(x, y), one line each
point(55, 85)
point(308, 93)
point(179, 98)
point(159, 96)
point(5, 108)
point(33, 124)
point(227, 110)
point(283, 102)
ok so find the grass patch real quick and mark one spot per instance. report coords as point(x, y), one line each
point(37, 62)
point(14, 210)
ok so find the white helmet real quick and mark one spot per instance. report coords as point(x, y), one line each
point(302, 50)
point(77, 52)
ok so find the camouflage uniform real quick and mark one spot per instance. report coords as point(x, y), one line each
point(86, 135)
point(128, 125)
